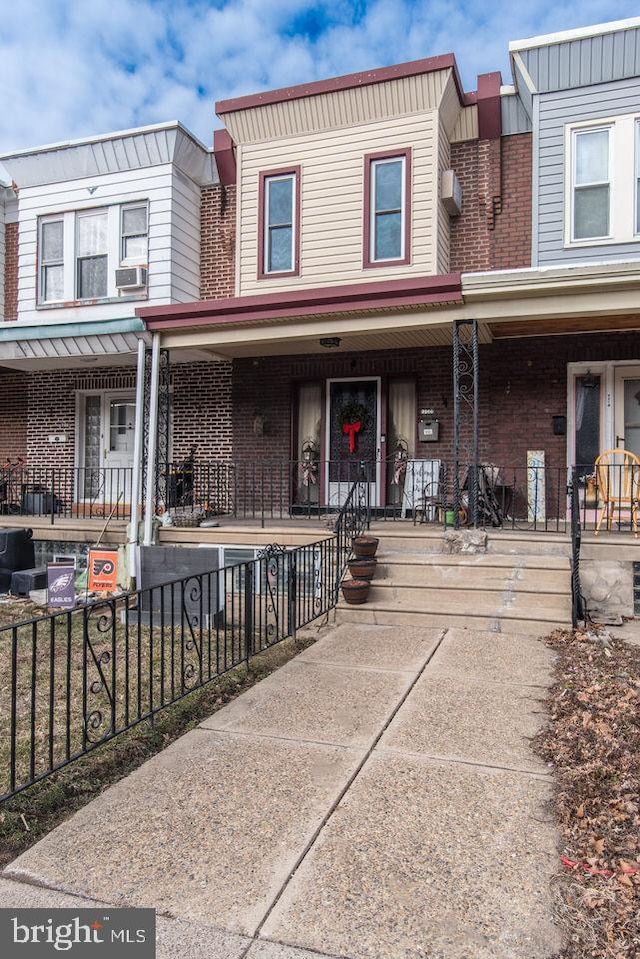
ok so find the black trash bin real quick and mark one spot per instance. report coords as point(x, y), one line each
point(16, 552)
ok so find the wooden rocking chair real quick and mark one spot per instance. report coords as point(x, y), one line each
point(618, 485)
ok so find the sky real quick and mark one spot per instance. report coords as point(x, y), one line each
point(74, 69)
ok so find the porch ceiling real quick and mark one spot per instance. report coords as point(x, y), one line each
point(350, 342)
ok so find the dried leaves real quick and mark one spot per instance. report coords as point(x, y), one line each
point(593, 742)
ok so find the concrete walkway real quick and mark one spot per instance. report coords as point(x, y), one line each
point(376, 798)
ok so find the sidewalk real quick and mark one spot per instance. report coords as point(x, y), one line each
point(376, 798)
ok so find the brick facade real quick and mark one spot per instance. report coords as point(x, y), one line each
point(217, 242)
point(13, 423)
point(493, 232)
point(202, 410)
point(523, 384)
point(11, 271)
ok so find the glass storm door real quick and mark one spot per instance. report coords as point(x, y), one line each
point(352, 437)
point(627, 409)
point(107, 458)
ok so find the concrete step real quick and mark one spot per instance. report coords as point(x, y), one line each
point(473, 560)
point(431, 540)
point(475, 576)
point(463, 598)
point(527, 620)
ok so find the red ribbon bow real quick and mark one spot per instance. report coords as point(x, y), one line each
point(350, 430)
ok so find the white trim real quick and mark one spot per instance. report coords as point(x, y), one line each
point(375, 499)
point(578, 33)
point(524, 73)
point(268, 180)
point(622, 179)
point(609, 399)
point(374, 164)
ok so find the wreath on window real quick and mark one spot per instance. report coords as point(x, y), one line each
point(353, 418)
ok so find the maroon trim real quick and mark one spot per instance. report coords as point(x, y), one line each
point(489, 107)
point(225, 156)
point(294, 171)
point(370, 158)
point(398, 71)
point(264, 307)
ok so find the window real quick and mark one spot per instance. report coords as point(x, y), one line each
point(387, 202)
point(91, 256)
point(591, 184)
point(602, 182)
point(133, 231)
point(51, 260)
point(279, 222)
point(79, 251)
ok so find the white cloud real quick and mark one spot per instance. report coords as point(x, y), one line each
point(70, 68)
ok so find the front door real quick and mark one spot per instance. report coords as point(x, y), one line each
point(107, 448)
point(352, 437)
point(627, 409)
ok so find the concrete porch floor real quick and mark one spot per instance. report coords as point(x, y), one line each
point(344, 807)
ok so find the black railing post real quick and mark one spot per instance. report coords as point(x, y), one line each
point(292, 591)
point(577, 603)
point(249, 600)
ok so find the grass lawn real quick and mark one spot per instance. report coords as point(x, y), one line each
point(46, 667)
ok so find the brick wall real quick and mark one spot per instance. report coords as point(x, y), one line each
point(493, 230)
point(201, 402)
point(13, 422)
point(202, 410)
point(523, 384)
point(217, 242)
point(11, 271)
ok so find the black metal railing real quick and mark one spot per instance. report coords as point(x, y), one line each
point(577, 600)
point(65, 492)
point(74, 680)
point(352, 520)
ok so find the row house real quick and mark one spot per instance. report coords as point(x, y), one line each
point(382, 272)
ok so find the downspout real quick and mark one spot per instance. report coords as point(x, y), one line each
point(134, 567)
point(152, 445)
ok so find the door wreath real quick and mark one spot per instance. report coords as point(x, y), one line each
point(353, 418)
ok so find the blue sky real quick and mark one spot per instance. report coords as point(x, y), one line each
point(71, 69)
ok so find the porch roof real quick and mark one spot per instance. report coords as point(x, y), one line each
point(422, 291)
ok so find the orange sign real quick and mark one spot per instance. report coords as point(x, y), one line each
point(103, 570)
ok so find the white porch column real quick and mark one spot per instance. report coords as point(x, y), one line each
point(136, 475)
point(152, 447)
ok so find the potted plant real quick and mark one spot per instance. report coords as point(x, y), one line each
point(363, 568)
point(365, 546)
point(355, 591)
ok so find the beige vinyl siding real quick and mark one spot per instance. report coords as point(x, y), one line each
point(340, 108)
point(332, 174)
point(466, 127)
point(444, 231)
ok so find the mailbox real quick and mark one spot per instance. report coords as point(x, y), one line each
point(428, 430)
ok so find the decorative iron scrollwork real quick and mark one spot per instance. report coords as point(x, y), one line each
point(99, 651)
point(192, 636)
point(270, 563)
point(465, 414)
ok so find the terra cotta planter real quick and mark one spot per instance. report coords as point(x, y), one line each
point(365, 546)
point(361, 568)
point(355, 591)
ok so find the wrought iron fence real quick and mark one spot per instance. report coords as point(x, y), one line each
point(353, 519)
point(74, 680)
point(65, 492)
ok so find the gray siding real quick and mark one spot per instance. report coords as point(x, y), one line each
point(556, 110)
point(514, 115)
point(582, 62)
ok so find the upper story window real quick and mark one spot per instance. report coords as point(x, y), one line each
point(602, 175)
point(79, 252)
point(279, 223)
point(387, 204)
point(92, 255)
point(52, 259)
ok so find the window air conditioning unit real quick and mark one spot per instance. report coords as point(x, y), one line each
point(451, 193)
point(131, 278)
